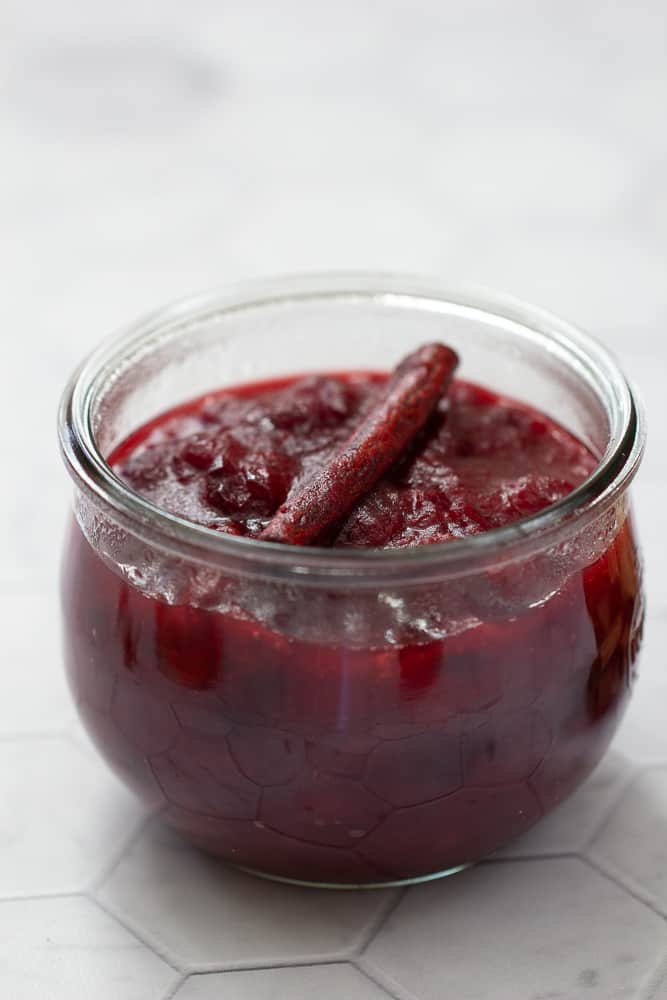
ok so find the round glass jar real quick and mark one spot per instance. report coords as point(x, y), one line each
point(350, 717)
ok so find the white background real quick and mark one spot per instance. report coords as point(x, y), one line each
point(149, 150)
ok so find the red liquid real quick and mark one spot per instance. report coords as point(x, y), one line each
point(326, 761)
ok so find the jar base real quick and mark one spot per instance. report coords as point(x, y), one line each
point(389, 884)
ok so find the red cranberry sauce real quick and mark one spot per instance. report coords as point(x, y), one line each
point(230, 459)
point(323, 761)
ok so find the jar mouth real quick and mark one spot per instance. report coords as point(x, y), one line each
point(588, 359)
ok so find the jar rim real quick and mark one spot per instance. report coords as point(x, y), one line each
point(611, 476)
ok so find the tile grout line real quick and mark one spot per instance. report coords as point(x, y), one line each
point(313, 961)
point(187, 968)
point(175, 987)
point(368, 974)
point(655, 979)
point(374, 927)
point(607, 814)
point(148, 942)
point(267, 966)
point(384, 982)
point(40, 896)
point(618, 879)
point(98, 882)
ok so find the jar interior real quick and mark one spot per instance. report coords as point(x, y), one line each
point(180, 355)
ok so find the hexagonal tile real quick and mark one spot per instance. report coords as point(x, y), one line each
point(62, 816)
point(33, 690)
point(633, 843)
point(571, 825)
point(327, 982)
point(207, 915)
point(68, 949)
point(519, 930)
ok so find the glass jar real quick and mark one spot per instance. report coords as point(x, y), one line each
point(350, 717)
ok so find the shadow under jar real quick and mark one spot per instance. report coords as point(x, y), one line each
point(350, 717)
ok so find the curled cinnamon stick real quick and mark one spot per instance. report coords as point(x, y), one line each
point(405, 404)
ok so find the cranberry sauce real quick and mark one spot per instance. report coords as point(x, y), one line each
point(230, 459)
point(328, 761)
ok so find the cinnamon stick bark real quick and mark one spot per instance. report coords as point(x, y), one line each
point(403, 407)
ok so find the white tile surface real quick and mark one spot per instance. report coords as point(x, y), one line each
point(552, 928)
point(62, 817)
point(326, 982)
point(68, 949)
point(152, 149)
point(205, 915)
point(633, 843)
point(33, 691)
